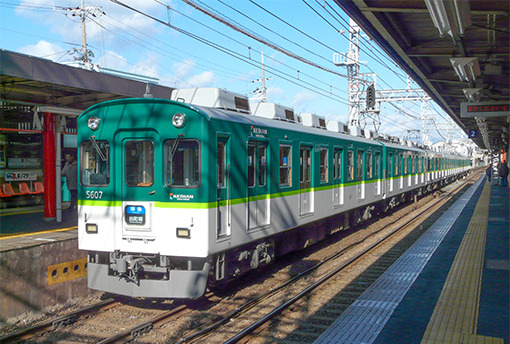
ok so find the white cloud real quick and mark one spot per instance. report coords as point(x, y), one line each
point(183, 69)
point(276, 95)
point(111, 59)
point(44, 49)
point(202, 80)
point(303, 99)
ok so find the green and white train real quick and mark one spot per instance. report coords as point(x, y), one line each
point(177, 194)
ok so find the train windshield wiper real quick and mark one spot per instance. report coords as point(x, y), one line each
point(98, 150)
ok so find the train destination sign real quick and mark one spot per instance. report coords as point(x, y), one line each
point(484, 109)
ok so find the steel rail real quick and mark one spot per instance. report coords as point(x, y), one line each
point(332, 273)
point(50, 324)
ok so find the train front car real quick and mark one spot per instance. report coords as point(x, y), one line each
point(143, 199)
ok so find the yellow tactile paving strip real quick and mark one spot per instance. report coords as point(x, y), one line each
point(455, 317)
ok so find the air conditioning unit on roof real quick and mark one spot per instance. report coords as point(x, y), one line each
point(355, 130)
point(212, 97)
point(273, 111)
point(370, 134)
point(312, 120)
point(337, 126)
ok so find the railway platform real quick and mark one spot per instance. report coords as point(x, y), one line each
point(40, 264)
point(451, 286)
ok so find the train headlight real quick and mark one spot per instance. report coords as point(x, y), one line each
point(179, 120)
point(93, 122)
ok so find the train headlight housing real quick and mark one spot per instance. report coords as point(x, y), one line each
point(179, 120)
point(91, 228)
point(94, 122)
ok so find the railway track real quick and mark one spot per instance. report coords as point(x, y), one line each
point(329, 281)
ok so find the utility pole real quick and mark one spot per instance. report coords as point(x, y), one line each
point(82, 12)
point(263, 89)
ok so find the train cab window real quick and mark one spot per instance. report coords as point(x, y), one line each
point(350, 165)
point(285, 165)
point(182, 163)
point(370, 166)
point(95, 163)
point(324, 165)
point(139, 163)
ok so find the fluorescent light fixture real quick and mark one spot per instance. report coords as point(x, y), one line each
point(467, 68)
point(450, 16)
point(472, 94)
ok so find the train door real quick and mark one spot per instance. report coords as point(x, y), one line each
point(142, 176)
point(360, 177)
point(223, 214)
point(258, 199)
point(305, 192)
point(338, 189)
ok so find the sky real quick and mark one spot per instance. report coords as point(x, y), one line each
point(181, 46)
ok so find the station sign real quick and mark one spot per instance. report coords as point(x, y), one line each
point(484, 109)
point(473, 134)
point(20, 176)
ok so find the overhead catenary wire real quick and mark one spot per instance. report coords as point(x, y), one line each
point(261, 40)
point(231, 53)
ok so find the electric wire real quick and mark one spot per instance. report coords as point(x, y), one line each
point(231, 53)
point(248, 47)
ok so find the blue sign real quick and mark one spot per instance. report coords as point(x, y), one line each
point(473, 134)
point(135, 210)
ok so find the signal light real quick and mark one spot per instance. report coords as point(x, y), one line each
point(371, 96)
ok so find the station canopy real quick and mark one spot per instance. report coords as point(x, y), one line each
point(458, 51)
point(29, 80)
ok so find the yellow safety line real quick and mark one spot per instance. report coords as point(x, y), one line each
point(455, 317)
point(22, 212)
point(37, 233)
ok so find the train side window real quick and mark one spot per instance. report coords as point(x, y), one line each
point(95, 163)
point(350, 165)
point(306, 164)
point(377, 165)
point(360, 166)
point(395, 165)
point(389, 168)
point(221, 164)
point(370, 166)
point(182, 163)
point(262, 160)
point(139, 163)
point(285, 165)
point(324, 165)
point(251, 165)
point(337, 165)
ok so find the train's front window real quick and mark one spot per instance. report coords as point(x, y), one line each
point(139, 163)
point(182, 163)
point(95, 163)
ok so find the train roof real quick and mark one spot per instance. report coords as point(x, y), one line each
point(246, 118)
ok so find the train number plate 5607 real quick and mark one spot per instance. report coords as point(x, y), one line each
point(135, 214)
